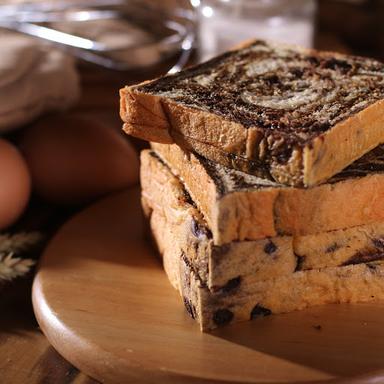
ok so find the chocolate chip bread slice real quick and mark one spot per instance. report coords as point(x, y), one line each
point(245, 298)
point(298, 116)
point(177, 225)
point(300, 290)
point(238, 206)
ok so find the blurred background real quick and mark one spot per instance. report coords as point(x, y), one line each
point(61, 146)
point(133, 34)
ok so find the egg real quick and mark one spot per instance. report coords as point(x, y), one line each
point(74, 159)
point(15, 184)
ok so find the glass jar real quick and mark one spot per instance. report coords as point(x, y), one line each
point(225, 23)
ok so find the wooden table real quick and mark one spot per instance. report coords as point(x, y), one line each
point(25, 354)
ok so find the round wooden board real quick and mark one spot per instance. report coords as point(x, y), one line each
point(104, 302)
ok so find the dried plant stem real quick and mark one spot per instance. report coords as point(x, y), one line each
point(12, 265)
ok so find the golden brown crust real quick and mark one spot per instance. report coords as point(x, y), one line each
point(254, 214)
point(300, 290)
point(330, 206)
point(334, 267)
point(178, 225)
point(160, 119)
point(144, 116)
point(343, 144)
point(190, 128)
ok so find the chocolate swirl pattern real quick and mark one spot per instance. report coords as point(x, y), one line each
point(278, 89)
point(230, 180)
point(283, 113)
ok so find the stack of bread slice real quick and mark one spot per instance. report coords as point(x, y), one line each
point(264, 186)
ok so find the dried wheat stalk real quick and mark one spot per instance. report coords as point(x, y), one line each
point(11, 264)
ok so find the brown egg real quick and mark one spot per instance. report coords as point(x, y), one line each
point(75, 159)
point(15, 184)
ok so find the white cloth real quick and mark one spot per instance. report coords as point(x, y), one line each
point(34, 78)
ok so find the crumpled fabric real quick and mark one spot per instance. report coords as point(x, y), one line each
point(34, 78)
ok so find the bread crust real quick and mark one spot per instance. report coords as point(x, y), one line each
point(331, 267)
point(300, 290)
point(256, 213)
point(343, 144)
point(177, 225)
point(249, 296)
point(160, 119)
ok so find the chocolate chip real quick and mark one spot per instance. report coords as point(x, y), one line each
point(299, 262)
point(259, 311)
point(230, 286)
point(218, 251)
point(190, 307)
point(317, 327)
point(332, 248)
point(222, 316)
point(270, 247)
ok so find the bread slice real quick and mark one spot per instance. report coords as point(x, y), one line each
point(238, 206)
point(178, 226)
point(242, 299)
point(299, 116)
point(300, 290)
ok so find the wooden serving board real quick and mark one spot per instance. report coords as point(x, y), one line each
point(104, 302)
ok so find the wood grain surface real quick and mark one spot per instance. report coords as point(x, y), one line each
point(104, 302)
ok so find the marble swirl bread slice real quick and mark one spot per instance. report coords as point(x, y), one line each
point(298, 116)
point(238, 206)
point(176, 224)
